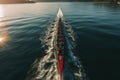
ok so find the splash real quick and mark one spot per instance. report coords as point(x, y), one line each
point(60, 13)
point(46, 67)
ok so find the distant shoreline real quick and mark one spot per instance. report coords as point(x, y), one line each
point(16, 2)
point(54, 1)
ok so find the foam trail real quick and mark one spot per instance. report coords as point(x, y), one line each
point(46, 68)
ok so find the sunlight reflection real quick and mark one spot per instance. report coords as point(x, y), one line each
point(3, 39)
point(3, 32)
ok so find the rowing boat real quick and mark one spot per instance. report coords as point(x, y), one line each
point(68, 63)
point(60, 60)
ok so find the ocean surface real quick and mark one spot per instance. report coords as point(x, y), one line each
point(96, 27)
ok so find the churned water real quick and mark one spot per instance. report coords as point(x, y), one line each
point(96, 27)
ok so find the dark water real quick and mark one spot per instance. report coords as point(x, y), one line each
point(96, 26)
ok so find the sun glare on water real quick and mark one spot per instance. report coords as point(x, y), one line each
point(3, 36)
point(3, 40)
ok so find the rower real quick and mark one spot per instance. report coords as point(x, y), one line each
point(49, 37)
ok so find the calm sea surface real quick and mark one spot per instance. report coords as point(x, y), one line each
point(96, 27)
